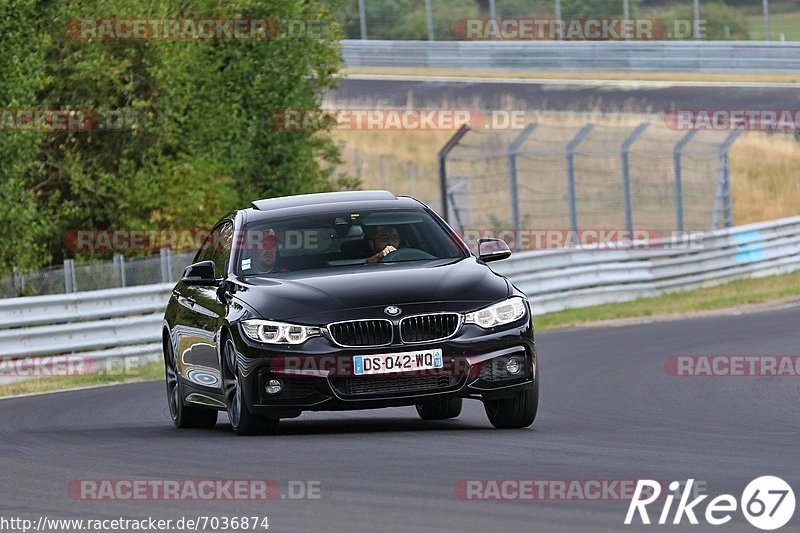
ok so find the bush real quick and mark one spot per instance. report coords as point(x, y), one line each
point(717, 17)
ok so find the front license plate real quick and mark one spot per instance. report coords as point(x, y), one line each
point(397, 362)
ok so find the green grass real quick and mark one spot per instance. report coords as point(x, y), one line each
point(734, 294)
point(786, 23)
point(152, 370)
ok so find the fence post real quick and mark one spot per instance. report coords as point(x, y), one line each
point(69, 275)
point(412, 174)
point(626, 174)
point(358, 163)
point(726, 167)
point(119, 262)
point(442, 156)
point(722, 200)
point(571, 147)
point(452, 198)
point(18, 282)
point(166, 263)
point(512, 176)
point(676, 157)
point(384, 178)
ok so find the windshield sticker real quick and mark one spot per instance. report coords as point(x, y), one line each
point(246, 264)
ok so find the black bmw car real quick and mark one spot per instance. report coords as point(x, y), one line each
point(340, 301)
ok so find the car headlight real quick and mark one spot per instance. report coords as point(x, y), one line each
point(270, 332)
point(498, 314)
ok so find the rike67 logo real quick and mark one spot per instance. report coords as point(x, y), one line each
point(767, 503)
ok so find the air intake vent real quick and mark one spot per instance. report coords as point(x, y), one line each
point(362, 332)
point(423, 328)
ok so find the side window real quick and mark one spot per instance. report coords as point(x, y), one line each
point(205, 251)
point(222, 249)
point(217, 248)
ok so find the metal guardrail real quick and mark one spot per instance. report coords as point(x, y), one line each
point(562, 279)
point(91, 326)
point(127, 322)
point(577, 55)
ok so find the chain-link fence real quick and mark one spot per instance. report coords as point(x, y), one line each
point(403, 178)
point(588, 177)
point(121, 272)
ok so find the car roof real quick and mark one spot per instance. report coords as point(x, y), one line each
point(326, 202)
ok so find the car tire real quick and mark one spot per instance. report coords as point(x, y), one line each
point(183, 416)
point(516, 412)
point(440, 409)
point(242, 420)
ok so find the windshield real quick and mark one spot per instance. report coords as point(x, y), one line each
point(347, 238)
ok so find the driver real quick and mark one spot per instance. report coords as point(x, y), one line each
point(385, 241)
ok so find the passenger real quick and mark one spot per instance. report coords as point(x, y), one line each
point(265, 256)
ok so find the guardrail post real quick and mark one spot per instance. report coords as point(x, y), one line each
point(676, 157)
point(166, 262)
point(119, 263)
point(69, 275)
point(724, 186)
point(626, 173)
point(571, 147)
point(454, 140)
point(513, 186)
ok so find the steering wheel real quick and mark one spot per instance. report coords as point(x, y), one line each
point(407, 254)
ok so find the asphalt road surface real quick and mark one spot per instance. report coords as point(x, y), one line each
point(609, 411)
point(554, 95)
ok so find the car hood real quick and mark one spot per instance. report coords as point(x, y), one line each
point(344, 292)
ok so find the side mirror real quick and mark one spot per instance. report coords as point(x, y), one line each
point(493, 250)
point(201, 273)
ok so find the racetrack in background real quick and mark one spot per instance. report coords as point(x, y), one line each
point(562, 95)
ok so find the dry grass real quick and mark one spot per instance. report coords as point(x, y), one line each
point(764, 177)
point(764, 167)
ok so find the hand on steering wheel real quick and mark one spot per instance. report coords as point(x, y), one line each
point(407, 254)
point(380, 255)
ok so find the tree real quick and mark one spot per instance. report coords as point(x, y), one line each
point(204, 142)
point(21, 63)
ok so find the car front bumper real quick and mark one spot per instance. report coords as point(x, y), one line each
point(318, 375)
